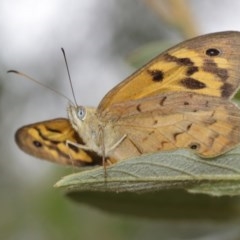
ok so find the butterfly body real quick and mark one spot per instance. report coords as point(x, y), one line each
point(99, 136)
point(180, 99)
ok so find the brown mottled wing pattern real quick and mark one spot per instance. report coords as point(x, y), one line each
point(47, 140)
point(207, 65)
point(209, 126)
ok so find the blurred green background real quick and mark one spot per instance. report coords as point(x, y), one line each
point(98, 37)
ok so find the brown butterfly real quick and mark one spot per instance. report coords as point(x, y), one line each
point(180, 99)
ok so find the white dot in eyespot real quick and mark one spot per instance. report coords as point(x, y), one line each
point(81, 112)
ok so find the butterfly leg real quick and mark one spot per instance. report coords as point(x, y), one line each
point(70, 143)
point(102, 143)
point(77, 145)
point(117, 143)
point(103, 150)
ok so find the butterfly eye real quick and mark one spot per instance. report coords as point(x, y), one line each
point(81, 112)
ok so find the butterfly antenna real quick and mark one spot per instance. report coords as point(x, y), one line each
point(69, 76)
point(39, 83)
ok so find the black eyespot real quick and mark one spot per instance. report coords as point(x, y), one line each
point(212, 52)
point(194, 146)
point(81, 112)
point(157, 75)
point(37, 144)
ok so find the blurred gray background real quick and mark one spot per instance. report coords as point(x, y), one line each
point(97, 36)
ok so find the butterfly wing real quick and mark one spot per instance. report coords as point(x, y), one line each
point(207, 65)
point(209, 126)
point(47, 140)
point(180, 99)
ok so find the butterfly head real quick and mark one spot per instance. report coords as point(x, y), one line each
point(81, 112)
point(77, 115)
point(84, 121)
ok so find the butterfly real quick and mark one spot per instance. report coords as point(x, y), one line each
point(180, 99)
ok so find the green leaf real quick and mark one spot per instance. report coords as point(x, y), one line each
point(166, 170)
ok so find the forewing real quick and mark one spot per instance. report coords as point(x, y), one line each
point(207, 65)
point(47, 140)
